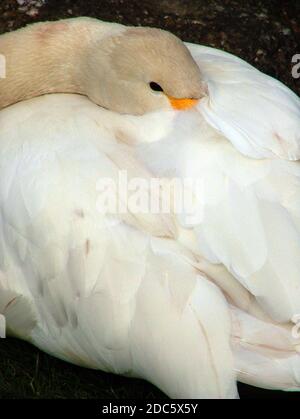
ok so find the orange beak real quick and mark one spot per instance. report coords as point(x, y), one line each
point(182, 104)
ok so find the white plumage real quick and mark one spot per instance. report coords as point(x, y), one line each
point(250, 206)
point(102, 293)
point(134, 294)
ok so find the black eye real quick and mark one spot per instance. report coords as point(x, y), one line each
point(156, 87)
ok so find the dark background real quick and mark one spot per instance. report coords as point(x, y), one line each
point(265, 33)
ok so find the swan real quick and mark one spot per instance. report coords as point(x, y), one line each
point(188, 306)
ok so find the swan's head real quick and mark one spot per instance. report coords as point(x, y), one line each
point(142, 70)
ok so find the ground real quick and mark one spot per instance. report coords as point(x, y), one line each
point(265, 33)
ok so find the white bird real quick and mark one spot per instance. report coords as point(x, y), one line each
point(136, 294)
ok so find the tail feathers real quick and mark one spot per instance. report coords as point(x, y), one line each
point(180, 332)
point(18, 312)
point(264, 371)
point(266, 354)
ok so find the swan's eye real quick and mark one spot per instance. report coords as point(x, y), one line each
point(155, 87)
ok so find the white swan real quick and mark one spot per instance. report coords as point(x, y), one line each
point(129, 293)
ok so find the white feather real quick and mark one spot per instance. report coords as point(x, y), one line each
point(106, 292)
point(256, 113)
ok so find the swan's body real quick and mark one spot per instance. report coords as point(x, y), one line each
point(140, 310)
point(148, 309)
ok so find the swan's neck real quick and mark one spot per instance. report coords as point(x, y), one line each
point(44, 57)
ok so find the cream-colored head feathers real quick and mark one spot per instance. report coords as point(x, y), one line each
point(126, 70)
point(132, 61)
